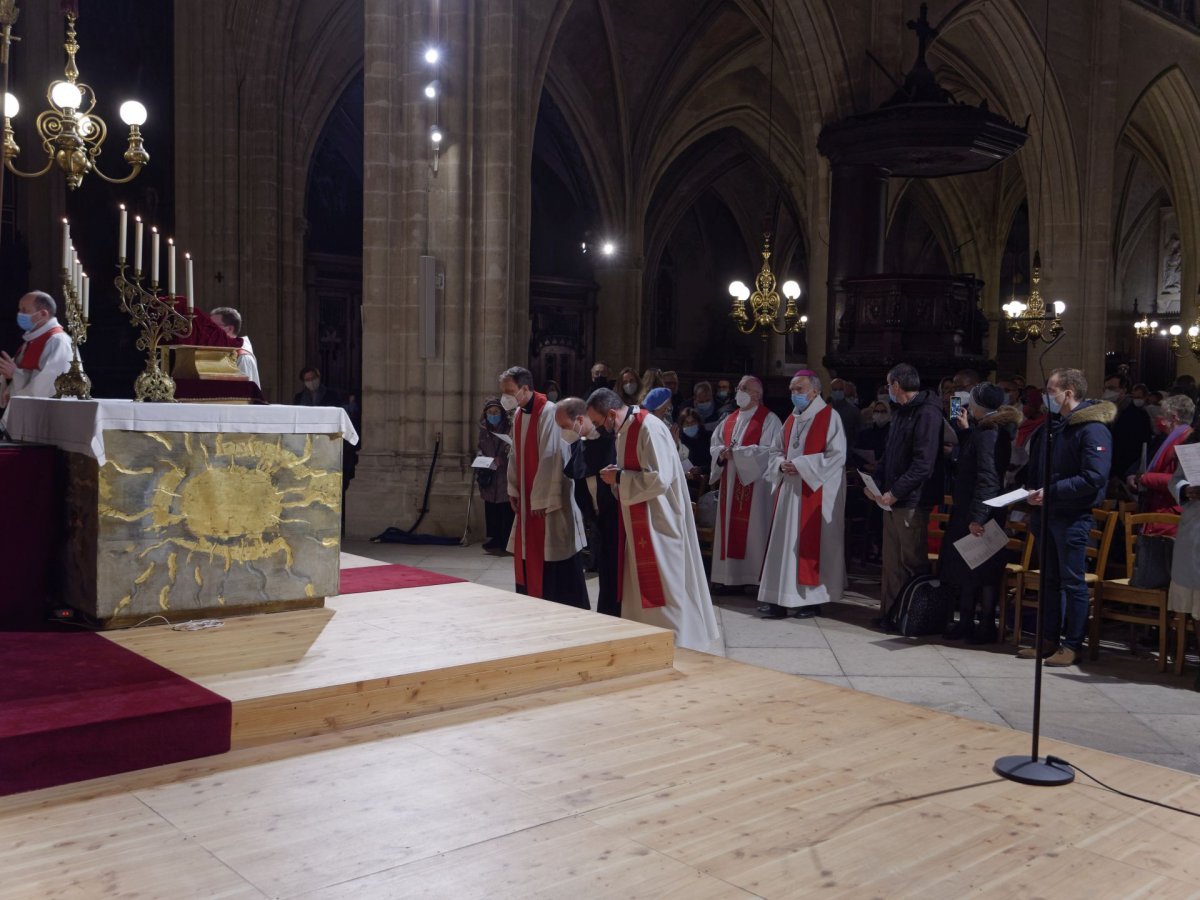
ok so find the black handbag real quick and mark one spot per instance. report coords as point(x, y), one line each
point(485, 476)
point(1152, 561)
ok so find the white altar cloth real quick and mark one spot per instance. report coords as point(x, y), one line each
point(78, 426)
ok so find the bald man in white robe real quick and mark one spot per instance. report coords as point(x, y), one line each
point(741, 449)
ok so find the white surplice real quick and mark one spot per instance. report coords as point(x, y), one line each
point(749, 463)
point(551, 489)
point(826, 471)
point(661, 484)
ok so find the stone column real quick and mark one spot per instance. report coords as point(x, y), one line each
point(857, 229)
point(620, 311)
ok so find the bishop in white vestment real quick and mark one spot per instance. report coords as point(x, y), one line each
point(805, 562)
point(741, 450)
point(662, 574)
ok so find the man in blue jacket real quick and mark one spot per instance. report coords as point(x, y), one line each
point(1081, 457)
point(912, 479)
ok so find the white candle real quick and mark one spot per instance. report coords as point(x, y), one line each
point(191, 284)
point(87, 285)
point(137, 244)
point(66, 256)
point(75, 270)
point(123, 233)
point(171, 267)
point(153, 255)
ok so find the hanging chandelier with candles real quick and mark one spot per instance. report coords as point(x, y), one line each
point(71, 131)
point(764, 301)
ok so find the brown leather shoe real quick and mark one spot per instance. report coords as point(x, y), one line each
point(1064, 657)
point(1048, 650)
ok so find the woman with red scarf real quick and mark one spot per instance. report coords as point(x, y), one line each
point(1174, 420)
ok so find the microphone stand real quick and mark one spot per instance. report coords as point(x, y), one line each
point(1033, 769)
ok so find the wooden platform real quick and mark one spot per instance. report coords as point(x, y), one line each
point(370, 658)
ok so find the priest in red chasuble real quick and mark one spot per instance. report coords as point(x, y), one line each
point(741, 447)
point(548, 532)
point(805, 563)
point(662, 575)
point(44, 354)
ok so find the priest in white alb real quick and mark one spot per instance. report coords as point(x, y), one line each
point(661, 573)
point(805, 563)
point(741, 448)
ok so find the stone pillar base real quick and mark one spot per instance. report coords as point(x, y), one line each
point(387, 490)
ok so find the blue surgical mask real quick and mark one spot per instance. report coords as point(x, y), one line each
point(24, 321)
point(835, 396)
point(494, 419)
point(1054, 404)
point(705, 409)
point(800, 402)
point(892, 395)
point(722, 395)
point(691, 430)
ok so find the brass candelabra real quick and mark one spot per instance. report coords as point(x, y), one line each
point(74, 382)
point(155, 314)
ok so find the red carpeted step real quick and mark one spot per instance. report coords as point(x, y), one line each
point(384, 578)
point(77, 706)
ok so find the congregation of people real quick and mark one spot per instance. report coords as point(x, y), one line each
point(622, 474)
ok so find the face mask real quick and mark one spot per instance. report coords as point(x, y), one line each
point(881, 419)
point(312, 383)
point(570, 435)
point(1139, 403)
point(25, 321)
point(891, 395)
point(691, 430)
point(1110, 395)
point(599, 381)
point(800, 402)
point(705, 409)
point(494, 419)
point(552, 396)
point(509, 402)
point(837, 396)
point(742, 399)
point(1054, 403)
point(722, 395)
point(630, 388)
point(610, 425)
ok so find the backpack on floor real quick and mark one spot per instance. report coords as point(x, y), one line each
point(923, 607)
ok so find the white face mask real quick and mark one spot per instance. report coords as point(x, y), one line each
point(570, 435)
point(742, 399)
point(509, 402)
point(1110, 395)
point(1139, 402)
point(630, 388)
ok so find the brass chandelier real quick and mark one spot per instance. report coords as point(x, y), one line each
point(765, 302)
point(71, 132)
point(1032, 321)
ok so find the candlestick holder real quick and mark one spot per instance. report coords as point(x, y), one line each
point(74, 382)
point(159, 320)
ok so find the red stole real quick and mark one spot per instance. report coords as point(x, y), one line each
point(808, 554)
point(648, 574)
point(733, 537)
point(530, 536)
point(31, 352)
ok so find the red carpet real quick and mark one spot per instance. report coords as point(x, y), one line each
point(383, 578)
point(77, 706)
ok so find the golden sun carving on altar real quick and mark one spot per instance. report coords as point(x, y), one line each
point(216, 499)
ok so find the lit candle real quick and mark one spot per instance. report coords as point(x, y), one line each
point(66, 257)
point(171, 267)
point(87, 286)
point(153, 255)
point(191, 284)
point(137, 244)
point(123, 233)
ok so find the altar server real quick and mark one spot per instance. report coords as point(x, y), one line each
point(42, 357)
point(548, 532)
point(806, 561)
point(231, 320)
point(662, 575)
point(741, 449)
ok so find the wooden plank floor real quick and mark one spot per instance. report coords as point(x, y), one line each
point(369, 658)
point(711, 779)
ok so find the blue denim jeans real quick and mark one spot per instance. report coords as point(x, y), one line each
point(1065, 603)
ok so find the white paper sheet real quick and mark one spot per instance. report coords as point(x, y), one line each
point(505, 438)
point(873, 488)
point(1008, 499)
point(975, 551)
point(484, 462)
point(1189, 459)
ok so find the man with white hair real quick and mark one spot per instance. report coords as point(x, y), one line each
point(43, 356)
point(805, 564)
point(741, 449)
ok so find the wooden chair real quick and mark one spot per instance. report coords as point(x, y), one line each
point(1180, 621)
point(1020, 541)
point(937, 529)
point(1104, 524)
point(1116, 600)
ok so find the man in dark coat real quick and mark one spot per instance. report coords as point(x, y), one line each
point(1080, 463)
point(912, 480)
point(984, 453)
point(1131, 431)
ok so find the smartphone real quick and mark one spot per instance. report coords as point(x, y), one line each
point(955, 406)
